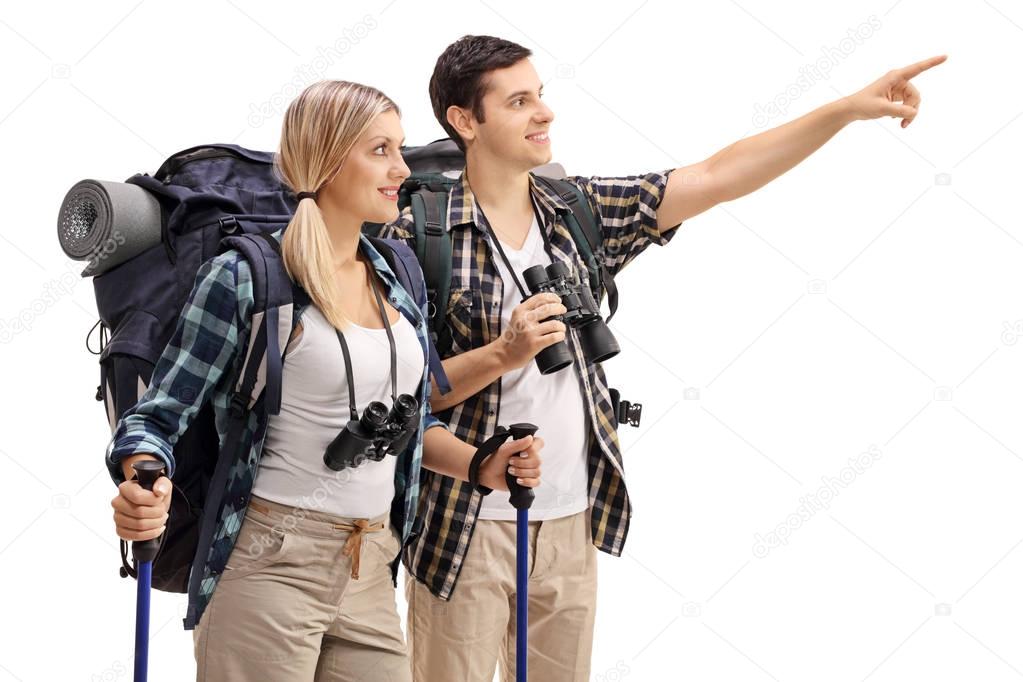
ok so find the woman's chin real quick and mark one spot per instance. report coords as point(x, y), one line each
point(384, 214)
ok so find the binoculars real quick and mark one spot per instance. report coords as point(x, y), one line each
point(583, 314)
point(377, 433)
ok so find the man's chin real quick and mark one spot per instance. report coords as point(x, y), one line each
point(538, 158)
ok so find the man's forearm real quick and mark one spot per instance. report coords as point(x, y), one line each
point(751, 163)
point(469, 373)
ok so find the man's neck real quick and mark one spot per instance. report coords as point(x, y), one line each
point(498, 188)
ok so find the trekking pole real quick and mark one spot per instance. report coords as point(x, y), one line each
point(521, 498)
point(144, 551)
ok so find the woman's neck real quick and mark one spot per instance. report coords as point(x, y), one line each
point(344, 232)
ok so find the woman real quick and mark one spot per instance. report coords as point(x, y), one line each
point(306, 593)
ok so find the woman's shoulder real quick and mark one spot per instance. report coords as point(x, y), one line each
point(229, 276)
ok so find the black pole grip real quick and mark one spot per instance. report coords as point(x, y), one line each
point(520, 496)
point(148, 471)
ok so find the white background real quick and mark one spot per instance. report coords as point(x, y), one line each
point(870, 298)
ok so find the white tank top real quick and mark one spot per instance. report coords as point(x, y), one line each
point(314, 409)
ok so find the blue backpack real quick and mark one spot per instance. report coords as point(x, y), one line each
point(212, 198)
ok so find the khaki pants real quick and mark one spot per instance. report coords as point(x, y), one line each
point(463, 639)
point(287, 606)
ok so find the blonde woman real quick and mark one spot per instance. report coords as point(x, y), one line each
point(307, 591)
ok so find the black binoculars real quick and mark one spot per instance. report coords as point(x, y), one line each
point(377, 433)
point(583, 314)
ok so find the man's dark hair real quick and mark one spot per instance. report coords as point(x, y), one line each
point(459, 77)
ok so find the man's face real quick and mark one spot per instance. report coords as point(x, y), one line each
point(517, 122)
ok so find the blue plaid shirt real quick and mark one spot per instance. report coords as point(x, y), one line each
point(200, 363)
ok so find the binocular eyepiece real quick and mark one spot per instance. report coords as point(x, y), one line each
point(378, 432)
point(583, 314)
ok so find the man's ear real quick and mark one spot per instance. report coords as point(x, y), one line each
point(461, 121)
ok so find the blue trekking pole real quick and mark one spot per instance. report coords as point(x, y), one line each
point(521, 498)
point(144, 551)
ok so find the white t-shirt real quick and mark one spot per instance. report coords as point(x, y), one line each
point(314, 409)
point(553, 402)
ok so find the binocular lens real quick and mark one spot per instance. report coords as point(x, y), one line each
point(375, 415)
point(404, 407)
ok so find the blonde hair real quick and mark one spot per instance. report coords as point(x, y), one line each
point(320, 128)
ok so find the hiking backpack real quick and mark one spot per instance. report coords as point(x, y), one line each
point(212, 198)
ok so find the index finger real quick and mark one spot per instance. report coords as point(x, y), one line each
point(913, 70)
point(538, 300)
point(136, 494)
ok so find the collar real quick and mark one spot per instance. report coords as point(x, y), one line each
point(462, 209)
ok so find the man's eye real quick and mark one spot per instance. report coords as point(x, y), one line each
point(518, 101)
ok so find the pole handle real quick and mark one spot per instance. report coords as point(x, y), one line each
point(520, 496)
point(147, 471)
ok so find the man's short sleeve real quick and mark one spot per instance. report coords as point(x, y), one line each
point(626, 208)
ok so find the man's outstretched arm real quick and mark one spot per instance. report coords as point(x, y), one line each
point(751, 163)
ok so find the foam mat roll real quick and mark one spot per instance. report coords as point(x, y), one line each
point(107, 223)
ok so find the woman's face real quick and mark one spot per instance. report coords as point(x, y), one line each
point(367, 185)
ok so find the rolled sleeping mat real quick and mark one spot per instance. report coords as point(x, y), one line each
point(107, 223)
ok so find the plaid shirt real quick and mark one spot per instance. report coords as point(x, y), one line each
point(214, 324)
point(626, 210)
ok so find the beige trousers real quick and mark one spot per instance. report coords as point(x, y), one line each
point(288, 606)
point(462, 640)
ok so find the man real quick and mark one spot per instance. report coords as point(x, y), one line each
point(501, 220)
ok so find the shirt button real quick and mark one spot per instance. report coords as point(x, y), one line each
point(491, 412)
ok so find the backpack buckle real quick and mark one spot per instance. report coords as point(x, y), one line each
point(228, 224)
point(629, 413)
point(431, 303)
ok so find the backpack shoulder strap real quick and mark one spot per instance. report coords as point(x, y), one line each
point(433, 250)
point(403, 261)
point(259, 375)
point(588, 237)
point(272, 318)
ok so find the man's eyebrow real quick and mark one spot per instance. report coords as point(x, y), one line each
point(520, 93)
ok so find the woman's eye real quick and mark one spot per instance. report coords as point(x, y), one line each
point(379, 148)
